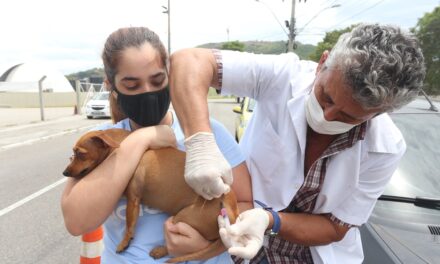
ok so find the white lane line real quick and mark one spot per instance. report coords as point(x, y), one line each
point(31, 197)
point(30, 141)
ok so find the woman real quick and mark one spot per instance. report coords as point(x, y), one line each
point(135, 63)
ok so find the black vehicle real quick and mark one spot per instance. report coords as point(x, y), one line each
point(405, 224)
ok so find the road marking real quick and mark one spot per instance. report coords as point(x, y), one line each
point(31, 197)
point(30, 141)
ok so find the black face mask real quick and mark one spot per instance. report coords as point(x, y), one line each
point(145, 109)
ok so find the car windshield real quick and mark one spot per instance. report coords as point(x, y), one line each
point(101, 96)
point(418, 173)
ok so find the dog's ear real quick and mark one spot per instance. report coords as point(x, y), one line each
point(105, 140)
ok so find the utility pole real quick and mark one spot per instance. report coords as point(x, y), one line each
point(167, 11)
point(78, 97)
point(40, 92)
point(291, 42)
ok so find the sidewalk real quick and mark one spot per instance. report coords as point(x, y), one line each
point(19, 126)
point(10, 117)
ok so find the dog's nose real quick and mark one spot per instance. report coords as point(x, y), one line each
point(66, 173)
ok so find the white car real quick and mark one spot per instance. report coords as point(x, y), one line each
point(98, 106)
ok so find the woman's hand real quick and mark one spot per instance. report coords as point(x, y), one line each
point(182, 239)
point(155, 137)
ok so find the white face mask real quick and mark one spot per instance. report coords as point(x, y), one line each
point(315, 119)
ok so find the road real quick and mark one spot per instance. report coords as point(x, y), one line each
point(31, 225)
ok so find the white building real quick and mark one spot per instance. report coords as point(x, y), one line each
point(24, 77)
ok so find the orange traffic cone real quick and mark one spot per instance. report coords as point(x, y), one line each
point(91, 247)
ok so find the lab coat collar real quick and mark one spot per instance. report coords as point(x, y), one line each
point(296, 107)
point(382, 135)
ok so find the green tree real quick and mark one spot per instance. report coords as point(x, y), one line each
point(428, 32)
point(328, 42)
point(95, 72)
point(233, 45)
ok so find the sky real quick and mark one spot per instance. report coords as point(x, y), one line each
point(69, 35)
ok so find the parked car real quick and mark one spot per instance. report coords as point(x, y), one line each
point(244, 110)
point(98, 106)
point(404, 226)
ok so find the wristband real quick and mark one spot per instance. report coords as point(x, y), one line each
point(276, 219)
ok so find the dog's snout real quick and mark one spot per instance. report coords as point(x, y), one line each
point(66, 173)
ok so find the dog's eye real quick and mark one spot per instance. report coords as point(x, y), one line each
point(80, 155)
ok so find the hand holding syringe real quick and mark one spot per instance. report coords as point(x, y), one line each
point(224, 224)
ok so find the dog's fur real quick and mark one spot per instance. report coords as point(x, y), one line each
point(158, 182)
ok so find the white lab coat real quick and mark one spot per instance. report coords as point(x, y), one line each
point(274, 146)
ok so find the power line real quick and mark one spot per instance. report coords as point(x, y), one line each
point(273, 14)
point(362, 11)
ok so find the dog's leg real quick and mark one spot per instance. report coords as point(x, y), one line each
point(132, 214)
point(159, 252)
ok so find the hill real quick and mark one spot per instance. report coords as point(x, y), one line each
point(95, 75)
point(268, 47)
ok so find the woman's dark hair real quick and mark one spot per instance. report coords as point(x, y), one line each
point(118, 42)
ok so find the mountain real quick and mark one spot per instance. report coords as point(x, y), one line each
point(95, 75)
point(268, 47)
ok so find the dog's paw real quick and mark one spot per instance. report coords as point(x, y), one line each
point(158, 252)
point(121, 247)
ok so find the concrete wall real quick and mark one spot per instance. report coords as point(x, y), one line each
point(30, 99)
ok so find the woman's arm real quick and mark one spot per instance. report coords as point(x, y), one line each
point(87, 202)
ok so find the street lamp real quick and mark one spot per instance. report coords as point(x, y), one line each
point(167, 11)
point(317, 14)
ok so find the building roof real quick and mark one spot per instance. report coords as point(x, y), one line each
point(25, 77)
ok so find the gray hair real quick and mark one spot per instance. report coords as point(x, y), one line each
point(382, 64)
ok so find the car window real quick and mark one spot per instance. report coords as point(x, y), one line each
point(418, 173)
point(101, 96)
point(251, 105)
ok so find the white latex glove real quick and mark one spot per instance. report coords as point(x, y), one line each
point(206, 170)
point(245, 238)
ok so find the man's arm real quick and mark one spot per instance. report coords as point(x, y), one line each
point(245, 237)
point(192, 72)
point(310, 229)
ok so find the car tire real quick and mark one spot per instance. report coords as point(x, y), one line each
point(89, 117)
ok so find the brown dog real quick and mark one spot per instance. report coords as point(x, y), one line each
point(158, 182)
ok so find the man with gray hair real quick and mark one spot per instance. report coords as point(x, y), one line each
point(320, 146)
